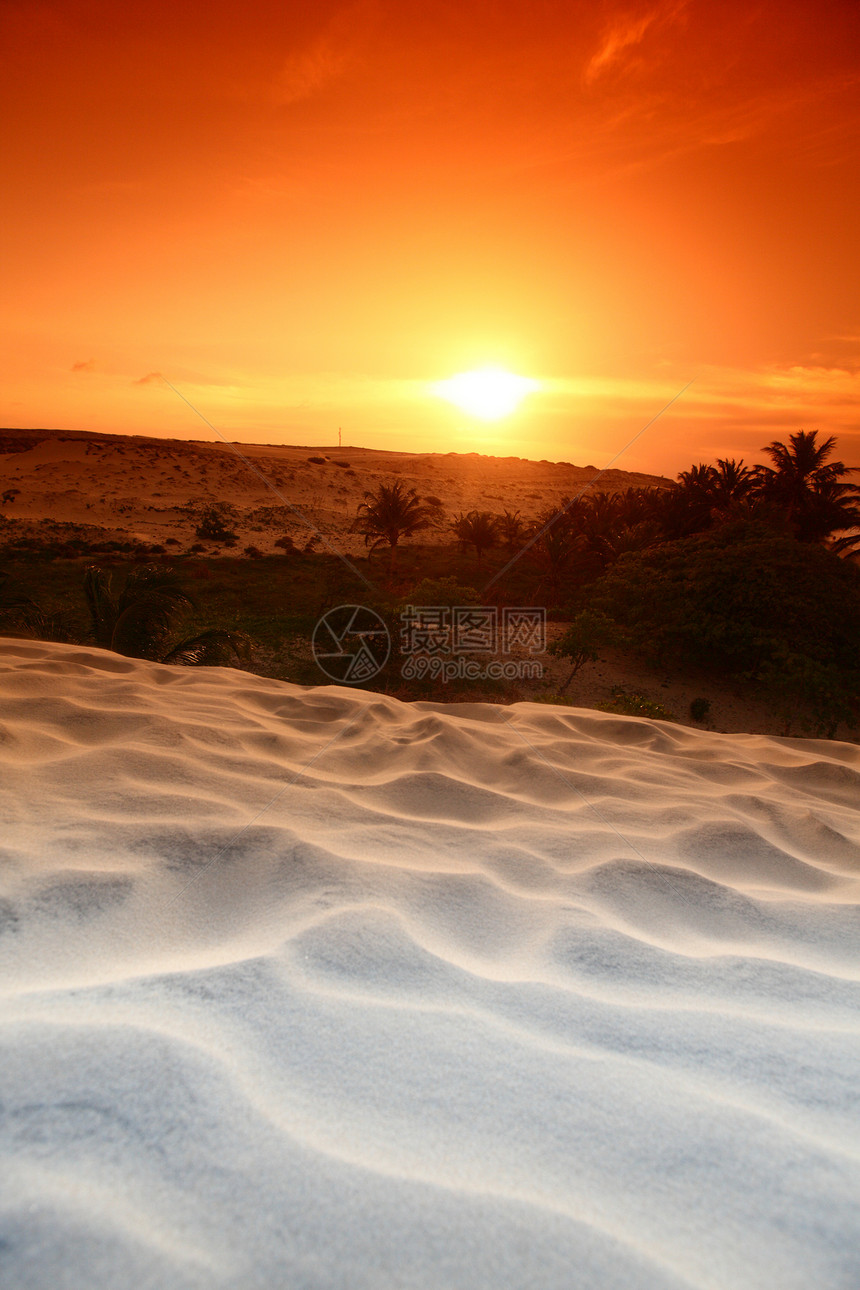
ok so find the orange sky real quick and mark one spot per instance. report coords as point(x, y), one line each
point(303, 214)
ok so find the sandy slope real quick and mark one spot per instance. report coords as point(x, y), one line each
point(312, 988)
point(138, 486)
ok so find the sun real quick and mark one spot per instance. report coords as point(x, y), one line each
point(487, 392)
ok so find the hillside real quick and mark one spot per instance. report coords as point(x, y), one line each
point(137, 487)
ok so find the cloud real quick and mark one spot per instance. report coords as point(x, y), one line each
point(624, 33)
point(151, 378)
point(88, 366)
point(308, 71)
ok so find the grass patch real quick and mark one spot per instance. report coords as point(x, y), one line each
point(629, 703)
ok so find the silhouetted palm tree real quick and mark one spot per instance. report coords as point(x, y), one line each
point(696, 489)
point(392, 512)
point(731, 482)
point(479, 529)
point(511, 529)
point(141, 619)
point(554, 542)
point(811, 490)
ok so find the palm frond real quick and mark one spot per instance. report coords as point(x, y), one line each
point(142, 629)
point(212, 648)
point(154, 582)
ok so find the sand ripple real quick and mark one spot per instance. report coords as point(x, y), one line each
point(315, 988)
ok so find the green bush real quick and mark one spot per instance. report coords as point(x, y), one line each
point(747, 600)
point(630, 704)
point(585, 636)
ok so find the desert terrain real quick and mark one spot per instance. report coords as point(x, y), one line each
point(144, 495)
point(137, 487)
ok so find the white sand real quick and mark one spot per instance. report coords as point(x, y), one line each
point(313, 988)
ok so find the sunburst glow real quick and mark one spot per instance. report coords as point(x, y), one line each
point(487, 392)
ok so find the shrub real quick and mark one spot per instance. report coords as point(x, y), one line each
point(212, 522)
point(588, 632)
point(752, 601)
point(628, 703)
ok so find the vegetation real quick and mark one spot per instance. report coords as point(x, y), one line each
point(479, 529)
point(582, 641)
point(140, 619)
point(733, 571)
point(747, 600)
point(629, 703)
point(213, 521)
point(812, 491)
point(19, 613)
point(391, 513)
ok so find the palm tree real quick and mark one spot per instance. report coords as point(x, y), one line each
point(696, 490)
point(731, 481)
point(140, 619)
point(392, 512)
point(511, 528)
point(810, 489)
point(479, 529)
point(554, 542)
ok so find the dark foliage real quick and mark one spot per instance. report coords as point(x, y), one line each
point(213, 521)
point(391, 513)
point(479, 529)
point(140, 619)
point(582, 641)
point(748, 600)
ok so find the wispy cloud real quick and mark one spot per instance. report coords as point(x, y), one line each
point(310, 70)
point(89, 365)
point(624, 33)
point(189, 376)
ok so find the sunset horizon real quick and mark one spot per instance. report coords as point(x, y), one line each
point(307, 221)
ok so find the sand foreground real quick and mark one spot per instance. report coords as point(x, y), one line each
point(314, 988)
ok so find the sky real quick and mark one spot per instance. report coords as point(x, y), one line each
point(274, 221)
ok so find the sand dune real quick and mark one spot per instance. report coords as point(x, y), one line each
point(134, 486)
point(313, 988)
